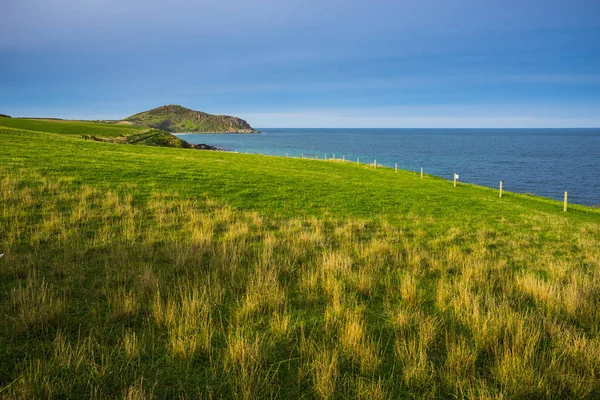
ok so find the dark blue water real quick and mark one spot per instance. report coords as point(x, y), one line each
point(544, 162)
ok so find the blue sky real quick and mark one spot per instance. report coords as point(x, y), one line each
point(325, 63)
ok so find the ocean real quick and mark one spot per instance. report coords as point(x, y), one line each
point(543, 162)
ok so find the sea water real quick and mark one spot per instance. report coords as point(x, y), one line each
point(544, 162)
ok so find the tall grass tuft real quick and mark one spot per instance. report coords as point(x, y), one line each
point(35, 303)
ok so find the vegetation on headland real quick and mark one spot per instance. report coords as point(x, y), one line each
point(141, 272)
point(65, 127)
point(175, 118)
point(151, 137)
point(103, 132)
point(4, 116)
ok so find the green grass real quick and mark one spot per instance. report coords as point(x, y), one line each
point(101, 132)
point(274, 185)
point(139, 272)
point(69, 127)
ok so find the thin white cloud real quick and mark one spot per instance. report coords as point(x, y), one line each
point(423, 117)
point(407, 81)
point(433, 116)
point(549, 78)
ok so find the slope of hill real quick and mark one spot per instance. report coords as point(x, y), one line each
point(147, 272)
point(103, 132)
point(174, 118)
point(67, 127)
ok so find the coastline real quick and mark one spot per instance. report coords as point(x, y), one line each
point(217, 133)
point(480, 156)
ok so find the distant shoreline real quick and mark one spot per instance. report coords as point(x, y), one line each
point(216, 133)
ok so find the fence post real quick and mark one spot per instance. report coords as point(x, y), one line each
point(421, 172)
point(375, 163)
point(566, 197)
point(286, 155)
point(344, 157)
point(333, 156)
point(357, 161)
point(455, 179)
point(500, 188)
point(302, 155)
point(396, 167)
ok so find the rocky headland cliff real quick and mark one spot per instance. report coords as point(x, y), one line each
point(178, 119)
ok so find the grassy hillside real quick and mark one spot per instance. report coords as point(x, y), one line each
point(100, 132)
point(69, 127)
point(133, 271)
point(173, 118)
point(145, 137)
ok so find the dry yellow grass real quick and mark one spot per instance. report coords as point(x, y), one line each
point(35, 303)
point(196, 299)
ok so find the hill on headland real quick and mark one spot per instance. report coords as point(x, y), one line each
point(175, 118)
point(4, 116)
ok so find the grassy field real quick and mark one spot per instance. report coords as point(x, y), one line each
point(145, 272)
point(78, 128)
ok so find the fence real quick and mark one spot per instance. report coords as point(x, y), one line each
point(374, 165)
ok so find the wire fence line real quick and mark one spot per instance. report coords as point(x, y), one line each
point(375, 165)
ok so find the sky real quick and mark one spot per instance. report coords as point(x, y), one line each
point(307, 63)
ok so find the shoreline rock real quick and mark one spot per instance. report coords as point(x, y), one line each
point(203, 146)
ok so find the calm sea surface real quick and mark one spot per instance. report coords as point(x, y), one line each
point(544, 162)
